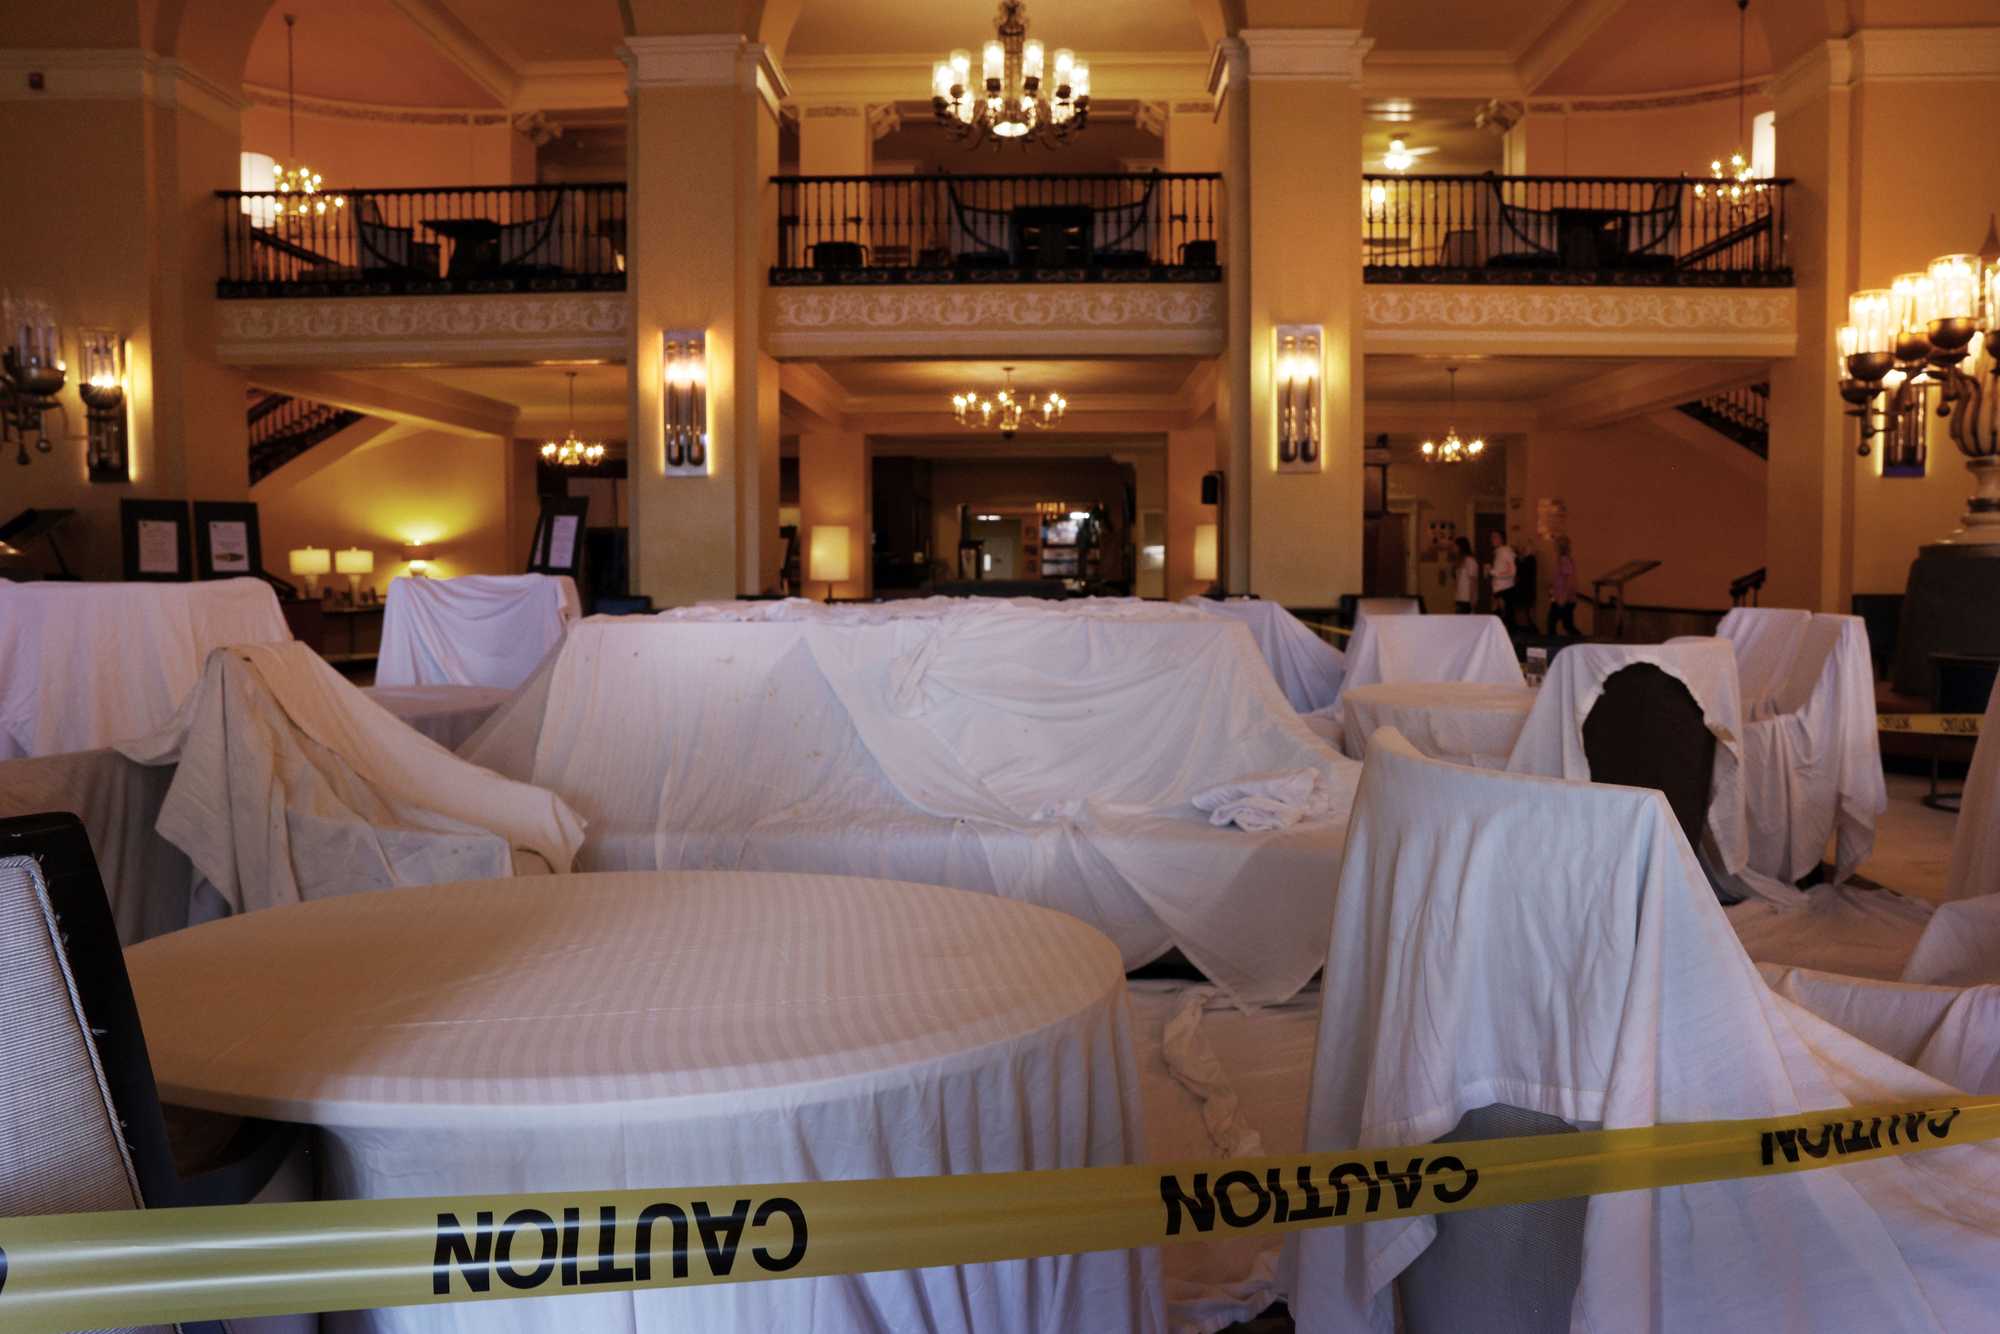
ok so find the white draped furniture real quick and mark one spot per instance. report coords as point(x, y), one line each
point(289, 784)
point(1812, 765)
point(448, 715)
point(650, 1030)
point(1050, 756)
point(479, 630)
point(1975, 846)
point(1465, 722)
point(1546, 951)
point(85, 665)
point(1405, 649)
point(1309, 670)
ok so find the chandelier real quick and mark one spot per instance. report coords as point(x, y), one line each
point(571, 451)
point(1452, 449)
point(1007, 409)
point(1932, 332)
point(1735, 182)
point(1020, 97)
point(297, 184)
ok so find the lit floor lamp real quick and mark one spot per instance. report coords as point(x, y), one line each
point(829, 555)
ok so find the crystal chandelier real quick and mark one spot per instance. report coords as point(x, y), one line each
point(1452, 449)
point(1020, 97)
point(1735, 182)
point(571, 451)
point(298, 185)
point(1935, 331)
point(1007, 409)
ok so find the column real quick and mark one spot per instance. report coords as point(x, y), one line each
point(835, 489)
point(702, 221)
point(1229, 82)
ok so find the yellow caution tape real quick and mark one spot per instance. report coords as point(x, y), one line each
point(1929, 724)
point(77, 1271)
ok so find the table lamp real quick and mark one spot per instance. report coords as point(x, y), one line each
point(354, 562)
point(829, 554)
point(1204, 552)
point(311, 562)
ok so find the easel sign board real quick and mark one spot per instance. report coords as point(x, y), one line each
point(558, 544)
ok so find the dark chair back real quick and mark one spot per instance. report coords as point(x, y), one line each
point(1962, 683)
point(1646, 730)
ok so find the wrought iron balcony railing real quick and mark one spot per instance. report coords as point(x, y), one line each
point(1572, 229)
point(1138, 227)
point(525, 238)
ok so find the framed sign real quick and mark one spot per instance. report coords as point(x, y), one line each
point(226, 544)
point(558, 544)
point(155, 540)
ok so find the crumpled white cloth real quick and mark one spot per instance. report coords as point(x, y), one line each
point(1431, 648)
point(1950, 1033)
point(1812, 764)
point(1554, 946)
point(1308, 669)
point(1975, 847)
point(291, 784)
point(477, 630)
point(83, 666)
point(1265, 801)
point(1960, 946)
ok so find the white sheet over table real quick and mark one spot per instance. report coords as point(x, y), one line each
point(448, 715)
point(1766, 640)
point(1960, 947)
point(85, 665)
point(606, 1032)
point(1812, 765)
point(1950, 1033)
point(1051, 758)
point(1465, 722)
point(290, 784)
point(478, 630)
point(1975, 847)
point(1400, 649)
point(1554, 946)
point(1308, 669)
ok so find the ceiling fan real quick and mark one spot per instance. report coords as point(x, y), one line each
point(1401, 157)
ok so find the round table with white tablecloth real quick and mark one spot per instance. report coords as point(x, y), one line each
point(1465, 722)
point(635, 1029)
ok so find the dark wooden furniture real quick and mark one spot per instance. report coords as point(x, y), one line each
point(1647, 730)
point(475, 244)
point(361, 647)
point(1590, 238)
point(1051, 236)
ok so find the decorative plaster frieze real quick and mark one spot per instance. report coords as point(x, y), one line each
point(329, 108)
point(424, 330)
point(1687, 97)
point(1306, 53)
point(953, 315)
point(1926, 55)
point(1620, 319)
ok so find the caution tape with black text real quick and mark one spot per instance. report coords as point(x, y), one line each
point(1929, 724)
point(86, 1271)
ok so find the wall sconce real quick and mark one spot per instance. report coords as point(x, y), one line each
point(1206, 540)
point(830, 544)
point(1298, 397)
point(684, 403)
point(310, 563)
point(31, 373)
point(354, 562)
point(103, 391)
point(419, 555)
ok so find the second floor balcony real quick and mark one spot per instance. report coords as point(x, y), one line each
point(1122, 227)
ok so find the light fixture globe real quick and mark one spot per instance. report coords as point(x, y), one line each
point(1024, 94)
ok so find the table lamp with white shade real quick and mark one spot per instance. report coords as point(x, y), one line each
point(354, 562)
point(311, 563)
point(829, 554)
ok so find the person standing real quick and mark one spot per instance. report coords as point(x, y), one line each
point(1562, 593)
point(1525, 582)
point(1468, 578)
point(1500, 574)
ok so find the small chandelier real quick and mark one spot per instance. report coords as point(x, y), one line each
point(571, 451)
point(1452, 449)
point(1007, 409)
point(1020, 97)
point(1735, 182)
point(298, 185)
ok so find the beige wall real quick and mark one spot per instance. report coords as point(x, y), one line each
point(355, 152)
point(835, 487)
point(1190, 456)
point(1647, 490)
point(449, 490)
point(1668, 141)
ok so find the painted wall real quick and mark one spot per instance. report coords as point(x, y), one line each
point(1668, 141)
point(1649, 490)
point(1436, 492)
point(449, 490)
point(426, 148)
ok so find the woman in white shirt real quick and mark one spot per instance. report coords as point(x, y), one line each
point(1501, 573)
point(1468, 578)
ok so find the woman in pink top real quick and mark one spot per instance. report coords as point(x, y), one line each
point(1562, 595)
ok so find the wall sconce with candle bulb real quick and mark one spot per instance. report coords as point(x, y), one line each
point(32, 372)
point(1298, 379)
point(102, 389)
point(684, 403)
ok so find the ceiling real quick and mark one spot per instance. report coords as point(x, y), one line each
point(359, 51)
point(1484, 379)
point(1477, 25)
point(1155, 375)
point(1653, 47)
point(842, 27)
point(1443, 124)
point(541, 393)
point(535, 30)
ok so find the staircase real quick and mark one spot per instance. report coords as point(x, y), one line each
point(283, 427)
point(1744, 415)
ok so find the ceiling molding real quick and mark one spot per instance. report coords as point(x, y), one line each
point(1565, 34)
point(329, 108)
point(1630, 103)
point(1636, 391)
point(1440, 74)
point(1304, 53)
point(402, 398)
point(862, 79)
point(814, 390)
point(571, 85)
point(1926, 55)
point(499, 75)
point(118, 74)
